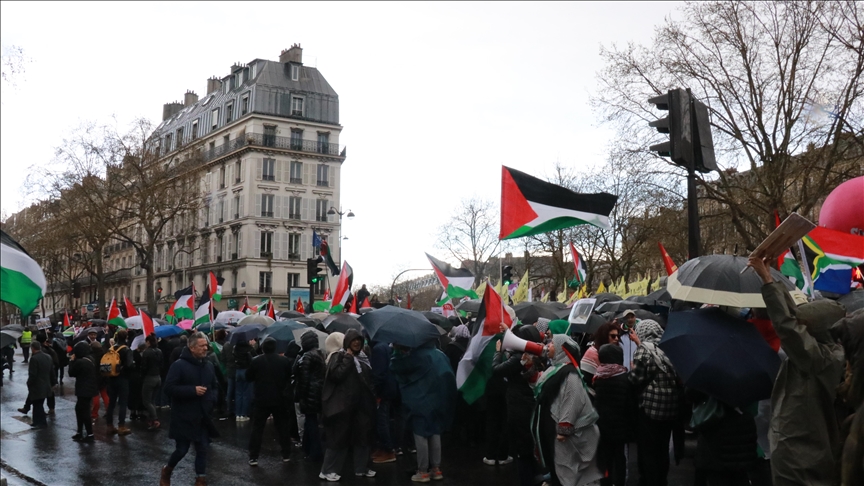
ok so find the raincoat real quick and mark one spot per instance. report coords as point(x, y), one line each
point(428, 389)
point(805, 443)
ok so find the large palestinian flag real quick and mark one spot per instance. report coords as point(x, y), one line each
point(343, 288)
point(183, 307)
point(203, 312)
point(531, 206)
point(457, 283)
point(215, 284)
point(114, 316)
point(475, 368)
point(22, 282)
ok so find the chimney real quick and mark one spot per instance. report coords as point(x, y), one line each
point(171, 109)
point(213, 84)
point(295, 54)
point(190, 98)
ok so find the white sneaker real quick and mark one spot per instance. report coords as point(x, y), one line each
point(369, 474)
point(506, 461)
point(489, 462)
point(332, 477)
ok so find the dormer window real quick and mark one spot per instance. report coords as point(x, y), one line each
point(229, 113)
point(194, 129)
point(295, 72)
point(296, 106)
point(254, 71)
point(244, 105)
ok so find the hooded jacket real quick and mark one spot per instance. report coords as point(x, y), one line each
point(190, 413)
point(805, 442)
point(428, 388)
point(348, 399)
point(308, 371)
point(271, 374)
point(85, 371)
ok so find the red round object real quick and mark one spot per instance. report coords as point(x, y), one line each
point(843, 209)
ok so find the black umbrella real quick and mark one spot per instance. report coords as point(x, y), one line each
point(100, 332)
point(646, 314)
point(97, 322)
point(717, 279)
point(340, 322)
point(529, 312)
point(720, 355)
point(557, 305)
point(8, 336)
point(438, 319)
point(12, 327)
point(208, 327)
point(399, 326)
point(606, 297)
point(291, 314)
point(617, 306)
point(594, 322)
point(282, 330)
point(658, 297)
point(853, 301)
point(469, 306)
point(308, 321)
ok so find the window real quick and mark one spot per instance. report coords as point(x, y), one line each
point(254, 71)
point(265, 281)
point(238, 171)
point(222, 177)
point(180, 136)
point(220, 241)
point(205, 251)
point(294, 207)
point(214, 119)
point(221, 212)
point(293, 280)
point(323, 143)
point(266, 244)
point(296, 139)
point(206, 216)
point(295, 72)
point(323, 175)
point(269, 135)
point(321, 208)
point(296, 172)
point(267, 205)
point(167, 143)
point(294, 246)
point(229, 113)
point(268, 170)
point(194, 129)
point(296, 106)
point(235, 207)
point(237, 245)
point(244, 105)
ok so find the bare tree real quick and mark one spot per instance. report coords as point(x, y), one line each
point(471, 235)
point(13, 64)
point(783, 83)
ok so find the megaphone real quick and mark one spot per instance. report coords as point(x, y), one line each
point(511, 342)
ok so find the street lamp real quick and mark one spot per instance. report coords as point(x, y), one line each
point(332, 211)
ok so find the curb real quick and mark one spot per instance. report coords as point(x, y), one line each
point(11, 471)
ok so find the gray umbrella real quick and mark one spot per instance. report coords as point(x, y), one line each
point(853, 301)
point(718, 280)
point(8, 336)
point(469, 306)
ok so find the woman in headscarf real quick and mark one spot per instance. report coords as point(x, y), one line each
point(607, 333)
point(347, 408)
point(565, 423)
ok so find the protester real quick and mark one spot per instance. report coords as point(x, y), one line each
point(136, 385)
point(615, 401)
point(271, 375)
point(191, 386)
point(348, 408)
point(230, 373)
point(243, 353)
point(805, 438)
point(558, 326)
point(118, 386)
point(58, 345)
point(608, 332)
point(25, 340)
point(726, 444)
point(656, 382)
point(362, 294)
point(86, 374)
point(47, 350)
point(427, 386)
point(850, 333)
point(308, 372)
point(39, 383)
point(151, 371)
point(389, 405)
point(96, 351)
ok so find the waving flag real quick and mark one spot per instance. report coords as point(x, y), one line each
point(531, 206)
point(475, 368)
point(114, 316)
point(324, 250)
point(66, 321)
point(147, 323)
point(326, 295)
point(204, 310)
point(792, 270)
point(185, 303)
point(833, 254)
point(22, 282)
point(299, 307)
point(343, 288)
point(247, 309)
point(131, 311)
point(216, 287)
point(667, 260)
point(457, 283)
point(579, 267)
point(271, 309)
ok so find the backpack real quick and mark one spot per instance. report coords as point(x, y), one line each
point(110, 363)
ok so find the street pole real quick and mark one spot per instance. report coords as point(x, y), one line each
point(693, 236)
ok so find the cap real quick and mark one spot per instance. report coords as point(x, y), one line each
point(628, 312)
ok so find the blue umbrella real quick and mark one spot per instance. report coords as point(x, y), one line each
point(398, 326)
point(720, 355)
point(167, 331)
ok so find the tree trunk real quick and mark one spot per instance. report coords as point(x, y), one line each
point(100, 283)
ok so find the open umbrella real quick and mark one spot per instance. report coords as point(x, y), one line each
point(469, 306)
point(717, 279)
point(209, 327)
point(341, 322)
point(97, 322)
point(853, 301)
point(290, 314)
point(606, 297)
point(658, 297)
point(322, 336)
point(186, 324)
point(8, 336)
point(646, 314)
point(167, 331)
point(719, 355)
point(229, 317)
point(282, 330)
point(399, 326)
point(438, 319)
point(617, 306)
point(12, 327)
point(310, 322)
point(245, 333)
point(592, 324)
point(134, 322)
point(319, 315)
point(256, 319)
point(529, 312)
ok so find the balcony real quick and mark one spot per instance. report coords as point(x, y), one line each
point(323, 184)
point(293, 256)
point(219, 259)
point(266, 214)
point(266, 254)
point(261, 140)
point(294, 216)
point(268, 177)
point(296, 180)
point(233, 256)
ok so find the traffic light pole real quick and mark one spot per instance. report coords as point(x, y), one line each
point(693, 233)
point(311, 295)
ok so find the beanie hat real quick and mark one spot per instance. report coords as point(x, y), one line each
point(309, 340)
point(559, 326)
point(611, 354)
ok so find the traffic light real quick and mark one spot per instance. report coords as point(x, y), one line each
point(507, 274)
point(159, 293)
point(688, 127)
point(312, 271)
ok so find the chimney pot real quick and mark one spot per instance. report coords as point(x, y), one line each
point(213, 84)
point(294, 54)
point(171, 109)
point(190, 98)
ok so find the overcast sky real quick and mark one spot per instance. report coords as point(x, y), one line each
point(434, 97)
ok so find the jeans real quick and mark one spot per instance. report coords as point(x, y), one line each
point(388, 436)
point(653, 443)
point(243, 394)
point(151, 383)
point(82, 415)
point(312, 438)
point(118, 392)
point(280, 420)
point(103, 392)
point(182, 447)
point(25, 350)
point(428, 451)
point(612, 462)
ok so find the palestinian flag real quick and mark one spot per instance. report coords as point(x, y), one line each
point(216, 287)
point(475, 368)
point(367, 304)
point(114, 317)
point(353, 307)
point(202, 313)
point(832, 255)
point(457, 283)
point(271, 309)
point(67, 323)
point(130, 308)
point(247, 309)
point(531, 206)
point(324, 250)
point(326, 295)
point(579, 267)
point(185, 303)
point(299, 307)
point(343, 288)
point(667, 260)
point(147, 324)
point(22, 282)
point(792, 270)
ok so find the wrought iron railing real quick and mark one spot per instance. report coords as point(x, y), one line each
point(261, 140)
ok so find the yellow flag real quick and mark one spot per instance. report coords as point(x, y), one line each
point(602, 288)
point(521, 294)
point(562, 296)
point(481, 289)
point(582, 293)
point(545, 297)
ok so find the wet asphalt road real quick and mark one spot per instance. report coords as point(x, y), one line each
point(50, 457)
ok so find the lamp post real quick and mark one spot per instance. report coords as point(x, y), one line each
point(349, 214)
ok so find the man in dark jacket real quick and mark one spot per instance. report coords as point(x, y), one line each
point(47, 349)
point(387, 393)
point(191, 385)
point(118, 386)
point(39, 383)
point(271, 374)
point(151, 370)
point(308, 372)
point(617, 407)
point(85, 372)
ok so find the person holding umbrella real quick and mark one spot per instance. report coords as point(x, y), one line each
point(271, 374)
point(308, 371)
point(805, 439)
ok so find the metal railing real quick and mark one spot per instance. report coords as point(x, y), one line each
point(261, 140)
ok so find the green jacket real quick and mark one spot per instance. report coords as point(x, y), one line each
point(804, 436)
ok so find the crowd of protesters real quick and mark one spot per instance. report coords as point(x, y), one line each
point(570, 414)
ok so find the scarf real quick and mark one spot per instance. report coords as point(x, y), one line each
point(361, 358)
point(608, 371)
